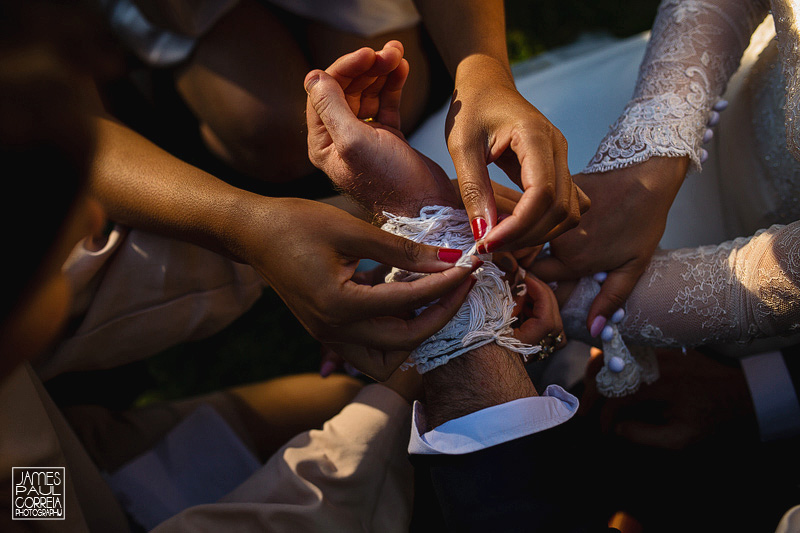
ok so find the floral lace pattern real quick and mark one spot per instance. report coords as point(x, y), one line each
point(737, 291)
point(695, 47)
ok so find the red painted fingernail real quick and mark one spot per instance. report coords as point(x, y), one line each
point(449, 255)
point(491, 247)
point(479, 226)
point(481, 249)
point(477, 265)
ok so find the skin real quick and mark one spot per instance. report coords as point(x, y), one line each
point(368, 83)
point(490, 122)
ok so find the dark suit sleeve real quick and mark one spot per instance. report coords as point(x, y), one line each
point(531, 484)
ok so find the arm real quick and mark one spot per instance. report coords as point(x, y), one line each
point(489, 121)
point(640, 165)
point(306, 251)
point(734, 292)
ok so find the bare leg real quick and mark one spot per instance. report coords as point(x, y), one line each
point(245, 85)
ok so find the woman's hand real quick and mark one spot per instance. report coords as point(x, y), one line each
point(308, 252)
point(490, 122)
point(619, 234)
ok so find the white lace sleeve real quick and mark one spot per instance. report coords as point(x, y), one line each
point(737, 291)
point(694, 48)
point(786, 14)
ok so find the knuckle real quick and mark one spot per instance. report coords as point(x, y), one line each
point(471, 193)
point(411, 250)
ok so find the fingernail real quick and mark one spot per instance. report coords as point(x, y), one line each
point(708, 135)
point(713, 118)
point(600, 277)
point(477, 265)
point(598, 324)
point(618, 315)
point(703, 155)
point(493, 246)
point(327, 369)
point(449, 255)
point(311, 82)
point(481, 249)
point(607, 334)
point(721, 105)
point(479, 226)
point(350, 369)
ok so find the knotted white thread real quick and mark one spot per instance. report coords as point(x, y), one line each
point(486, 315)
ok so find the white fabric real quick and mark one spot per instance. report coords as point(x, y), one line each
point(199, 461)
point(790, 523)
point(367, 18)
point(485, 316)
point(142, 293)
point(493, 425)
point(694, 49)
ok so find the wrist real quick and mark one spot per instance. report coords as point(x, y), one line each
point(487, 376)
point(484, 69)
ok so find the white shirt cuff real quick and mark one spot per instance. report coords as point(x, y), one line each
point(493, 425)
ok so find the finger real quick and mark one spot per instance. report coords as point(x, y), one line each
point(368, 242)
point(326, 100)
point(553, 269)
point(331, 361)
point(613, 292)
point(545, 318)
point(392, 333)
point(469, 160)
point(399, 298)
point(377, 364)
point(391, 96)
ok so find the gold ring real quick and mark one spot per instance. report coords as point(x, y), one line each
point(368, 119)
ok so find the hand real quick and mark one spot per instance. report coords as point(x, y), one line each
point(619, 234)
point(489, 121)
point(695, 399)
point(371, 162)
point(308, 252)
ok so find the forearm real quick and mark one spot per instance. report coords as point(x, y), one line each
point(487, 376)
point(140, 185)
point(695, 47)
point(733, 292)
point(468, 33)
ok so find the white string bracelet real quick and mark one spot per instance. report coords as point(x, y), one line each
point(485, 316)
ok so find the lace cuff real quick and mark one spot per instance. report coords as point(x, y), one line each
point(695, 47)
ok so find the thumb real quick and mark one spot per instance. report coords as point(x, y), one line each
point(613, 292)
point(327, 105)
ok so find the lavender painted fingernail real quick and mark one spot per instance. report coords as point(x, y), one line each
point(703, 155)
point(598, 324)
point(708, 135)
point(721, 105)
point(600, 277)
point(618, 315)
point(713, 118)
